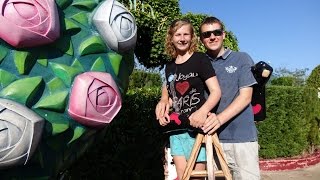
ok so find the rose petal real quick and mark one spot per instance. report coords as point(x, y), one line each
point(43, 11)
point(23, 13)
point(96, 83)
point(114, 110)
point(25, 10)
point(92, 98)
point(12, 15)
point(43, 25)
point(103, 98)
point(79, 88)
point(41, 28)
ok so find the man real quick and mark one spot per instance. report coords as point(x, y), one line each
point(234, 119)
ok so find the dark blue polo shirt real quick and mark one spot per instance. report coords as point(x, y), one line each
point(233, 70)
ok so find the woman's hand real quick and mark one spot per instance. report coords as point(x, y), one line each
point(162, 111)
point(197, 119)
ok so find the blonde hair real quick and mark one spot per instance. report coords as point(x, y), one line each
point(175, 25)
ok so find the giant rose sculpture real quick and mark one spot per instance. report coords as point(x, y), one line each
point(117, 28)
point(95, 99)
point(27, 23)
point(61, 81)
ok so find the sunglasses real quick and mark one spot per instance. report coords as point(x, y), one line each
point(207, 34)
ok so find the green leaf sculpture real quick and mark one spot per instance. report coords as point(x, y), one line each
point(70, 25)
point(43, 62)
point(24, 61)
point(55, 85)
point(54, 102)
point(3, 53)
point(92, 45)
point(98, 65)
point(6, 78)
point(77, 132)
point(76, 64)
point(115, 60)
point(23, 89)
point(56, 122)
point(87, 5)
point(63, 3)
point(64, 44)
point(43, 59)
point(64, 72)
point(81, 18)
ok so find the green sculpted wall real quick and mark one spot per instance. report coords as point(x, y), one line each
point(64, 67)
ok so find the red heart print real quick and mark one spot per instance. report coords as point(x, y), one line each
point(256, 108)
point(182, 87)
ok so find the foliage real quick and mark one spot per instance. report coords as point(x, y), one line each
point(313, 81)
point(133, 145)
point(152, 29)
point(141, 79)
point(286, 72)
point(290, 127)
point(196, 19)
point(284, 81)
point(289, 77)
point(314, 78)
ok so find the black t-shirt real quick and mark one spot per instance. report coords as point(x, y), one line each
point(186, 82)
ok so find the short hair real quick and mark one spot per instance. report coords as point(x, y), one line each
point(211, 20)
point(175, 25)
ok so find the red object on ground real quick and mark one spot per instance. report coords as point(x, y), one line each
point(289, 164)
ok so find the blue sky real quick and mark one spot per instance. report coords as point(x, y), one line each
point(285, 33)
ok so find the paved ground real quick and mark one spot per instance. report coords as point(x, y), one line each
point(309, 173)
point(306, 168)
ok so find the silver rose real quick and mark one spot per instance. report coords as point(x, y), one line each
point(20, 133)
point(116, 25)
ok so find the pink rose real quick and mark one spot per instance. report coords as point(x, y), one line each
point(29, 23)
point(95, 99)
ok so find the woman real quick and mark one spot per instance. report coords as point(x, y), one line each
point(187, 77)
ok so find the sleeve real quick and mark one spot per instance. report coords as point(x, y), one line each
point(169, 70)
point(163, 75)
point(246, 78)
point(205, 70)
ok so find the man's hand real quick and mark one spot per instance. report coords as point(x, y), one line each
point(211, 124)
point(162, 112)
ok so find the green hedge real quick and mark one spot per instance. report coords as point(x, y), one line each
point(133, 146)
point(314, 78)
point(291, 125)
point(142, 79)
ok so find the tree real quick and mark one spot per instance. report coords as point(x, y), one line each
point(196, 19)
point(141, 79)
point(153, 19)
point(286, 77)
point(284, 81)
point(314, 78)
point(152, 28)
